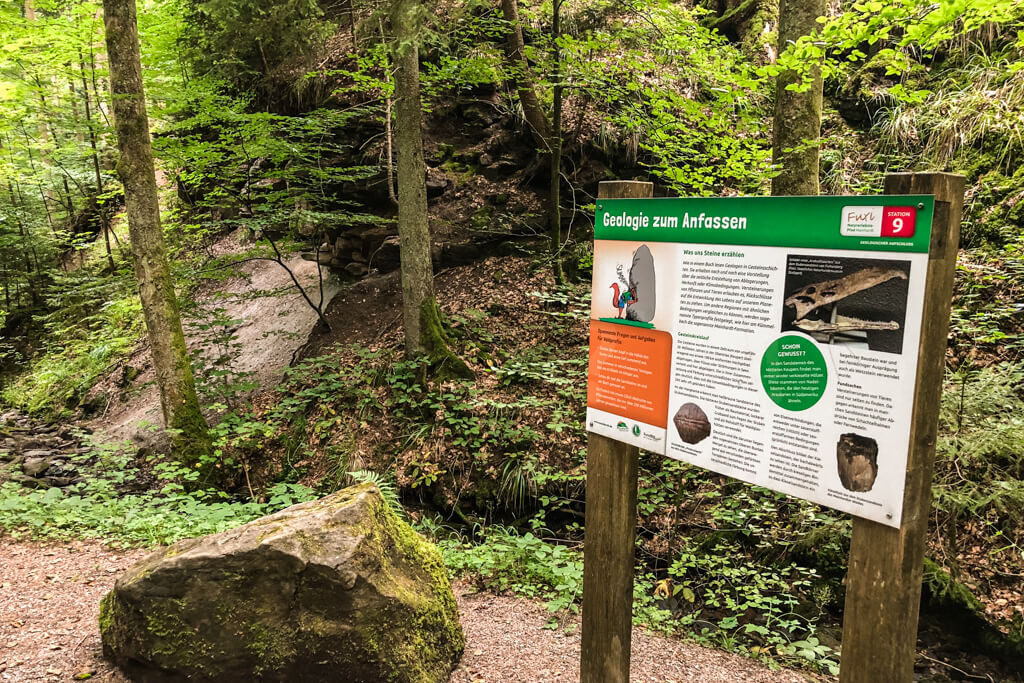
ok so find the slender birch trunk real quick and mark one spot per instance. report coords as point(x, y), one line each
point(104, 219)
point(556, 144)
point(515, 53)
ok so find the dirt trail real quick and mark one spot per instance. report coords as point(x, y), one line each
point(275, 321)
point(50, 594)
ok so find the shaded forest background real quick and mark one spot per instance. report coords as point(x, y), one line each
point(272, 129)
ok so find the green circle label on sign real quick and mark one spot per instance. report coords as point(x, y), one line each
point(793, 373)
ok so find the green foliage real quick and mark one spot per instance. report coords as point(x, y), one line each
point(103, 508)
point(718, 595)
point(276, 171)
point(977, 108)
point(748, 606)
point(127, 519)
point(469, 47)
point(97, 322)
point(536, 365)
point(385, 485)
point(246, 42)
point(980, 455)
point(895, 33)
point(679, 94)
point(49, 196)
point(984, 312)
point(505, 561)
point(217, 379)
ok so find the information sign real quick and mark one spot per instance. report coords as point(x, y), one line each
point(770, 339)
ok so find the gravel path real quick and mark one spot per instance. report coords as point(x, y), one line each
point(50, 593)
point(506, 641)
point(49, 600)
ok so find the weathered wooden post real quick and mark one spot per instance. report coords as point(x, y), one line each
point(610, 533)
point(883, 587)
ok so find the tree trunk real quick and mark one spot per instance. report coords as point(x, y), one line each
point(73, 99)
point(424, 331)
point(388, 134)
point(515, 53)
point(797, 123)
point(178, 399)
point(556, 144)
point(104, 219)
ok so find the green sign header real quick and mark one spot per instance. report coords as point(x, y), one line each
point(893, 223)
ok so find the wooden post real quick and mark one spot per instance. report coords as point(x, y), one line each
point(883, 586)
point(610, 533)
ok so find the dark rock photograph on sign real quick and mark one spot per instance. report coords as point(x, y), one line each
point(857, 462)
point(852, 301)
point(692, 423)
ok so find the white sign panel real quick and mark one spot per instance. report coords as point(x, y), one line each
point(773, 340)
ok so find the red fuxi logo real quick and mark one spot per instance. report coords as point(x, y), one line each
point(878, 221)
point(899, 221)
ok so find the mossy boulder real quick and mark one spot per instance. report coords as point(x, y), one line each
point(334, 589)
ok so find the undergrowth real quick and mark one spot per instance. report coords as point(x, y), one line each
point(108, 506)
point(716, 598)
point(494, 472)
point(97, 321)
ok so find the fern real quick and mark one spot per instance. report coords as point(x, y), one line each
point(979, 468)
point(384, 484)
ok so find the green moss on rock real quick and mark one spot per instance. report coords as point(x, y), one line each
point(106, 618)
point(341, 584)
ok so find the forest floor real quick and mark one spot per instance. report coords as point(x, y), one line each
point(50, 594)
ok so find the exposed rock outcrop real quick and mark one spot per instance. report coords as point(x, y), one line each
point(333, 589)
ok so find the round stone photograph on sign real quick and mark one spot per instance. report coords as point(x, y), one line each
point(793, 373)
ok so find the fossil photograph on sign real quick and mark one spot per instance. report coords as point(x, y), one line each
point(860, 302)
point(692, 423)
point(857, 462)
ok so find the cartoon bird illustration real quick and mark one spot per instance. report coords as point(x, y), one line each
point(621, 301)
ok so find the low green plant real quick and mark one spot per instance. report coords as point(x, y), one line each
point(384, 484)
point(217, 377)
point(86, 339)
point(979, 468)
point(742, 603)
point(717, 595)
point(103, 506)
point(526, 565)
